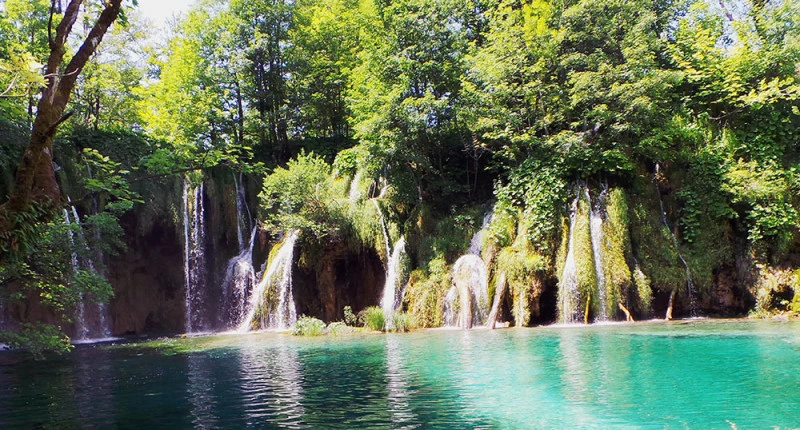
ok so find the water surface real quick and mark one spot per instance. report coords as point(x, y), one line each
point(702, 374)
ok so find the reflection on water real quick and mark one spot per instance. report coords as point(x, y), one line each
point(397, 384)
point(697, 375)
point(200, 388)
point(271, 385)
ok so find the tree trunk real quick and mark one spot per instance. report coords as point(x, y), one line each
point(35, 181)
point(668, 317)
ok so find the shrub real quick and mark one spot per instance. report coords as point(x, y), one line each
point(349, 317)
point(402, 322)
point(373, 318)
point(340, 328)
point(308, 326)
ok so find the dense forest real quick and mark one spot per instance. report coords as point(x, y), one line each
point(620, 159)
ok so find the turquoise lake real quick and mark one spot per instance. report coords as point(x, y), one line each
point(684, 374)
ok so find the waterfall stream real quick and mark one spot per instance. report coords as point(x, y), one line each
point(194, 256)
point(91, 319)
point(568, 294)
point(278, 311)
point(240, 275)
point(393, 288)
point(470, 291)
point(596, 229)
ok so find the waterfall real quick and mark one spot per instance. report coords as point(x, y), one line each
point(449, 315)
point(568, 294)
point(194, 261)
point(280, 311)
point(596, 229)
point(476, 242)
point(472, 287)
point(385, 231)
point(91, 320)
point(243, 217)
point(690, 291)
point(470, 284)
point(393, 289)
point(240, 275)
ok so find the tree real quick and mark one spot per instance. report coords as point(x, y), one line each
point(36, 193)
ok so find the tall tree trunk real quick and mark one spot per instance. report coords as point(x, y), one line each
point(36, 180)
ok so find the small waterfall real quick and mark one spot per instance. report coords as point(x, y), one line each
point(471, 283)
point(596, 228)
point(385, 231)
point(476, 242)
point(243, 216)
point(568, 294)
point(279, 311)
point(690, 291)
point(393, 289)
point(91, 319)
point(240, 276)
point(194, 256)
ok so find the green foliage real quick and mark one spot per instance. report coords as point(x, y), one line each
point(303, 196)
point(349, 317)
point(308, 326)
point(37, 339)
point(617, 251)
point(373, 318)
point(402, 322)
point(425, 292)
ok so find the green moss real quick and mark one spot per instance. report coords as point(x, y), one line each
point(652, 243)
point(523, 266)
point(425, 292)
point(616, 250)
point(584, 256)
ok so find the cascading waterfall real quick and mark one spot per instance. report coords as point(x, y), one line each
point(280, 311)
point(568, 294)
point(194, 256)
point(91, 320)
point(596, 229)
point(393, 288)
point(470, 280)
point(240, 275)
point(470, 287)
point(690, 291)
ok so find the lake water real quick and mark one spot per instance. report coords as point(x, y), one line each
point(700, 374)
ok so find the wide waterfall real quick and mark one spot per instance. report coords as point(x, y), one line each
point(568, 294)
point(278, 310)
point(393, 288)
point(240, 275)
point(91, 319)
point(194, 261)
point(467, 302)
point(690, 290)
